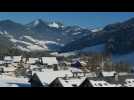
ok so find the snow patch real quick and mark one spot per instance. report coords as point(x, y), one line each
point(30, 38)
point(76, 33)
point(96, 30)
point(36, 22)
point(54, 25)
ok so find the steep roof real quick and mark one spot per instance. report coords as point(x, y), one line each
point(49, 75)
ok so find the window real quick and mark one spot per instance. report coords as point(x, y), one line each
point(100, 84)
point(106, 84)
point(66, 81)
point(74, 85)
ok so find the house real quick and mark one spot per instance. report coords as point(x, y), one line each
point(115, 80)
point(67, 82)
point(17, 59)
point(8, 59)
point(95, 82)
point(49, 61)
point(43, 79)
point(106, 73)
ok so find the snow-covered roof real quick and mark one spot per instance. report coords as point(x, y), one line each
point(16, 58)
point(32, 60)
point(108, 74)
point(129, 83)
point(49, 75)
point(103, 84)
point(71, 82)
point(49, 60)
point(8, 58)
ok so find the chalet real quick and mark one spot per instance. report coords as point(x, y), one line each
point(67, 82)
point(43, 79)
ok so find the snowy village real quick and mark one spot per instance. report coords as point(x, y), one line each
point(17, 71)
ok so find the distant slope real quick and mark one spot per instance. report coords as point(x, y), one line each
point(118, 37)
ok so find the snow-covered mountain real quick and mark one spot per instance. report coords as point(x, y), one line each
point(38, 35)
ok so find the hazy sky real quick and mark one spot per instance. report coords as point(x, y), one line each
point(84, 19)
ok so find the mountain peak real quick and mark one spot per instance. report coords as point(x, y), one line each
point(36, 23)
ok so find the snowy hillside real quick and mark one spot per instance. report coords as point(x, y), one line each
point(28, 43)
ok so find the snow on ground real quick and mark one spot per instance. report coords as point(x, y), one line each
point(7, 81)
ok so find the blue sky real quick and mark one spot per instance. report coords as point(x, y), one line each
point(84, 19)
